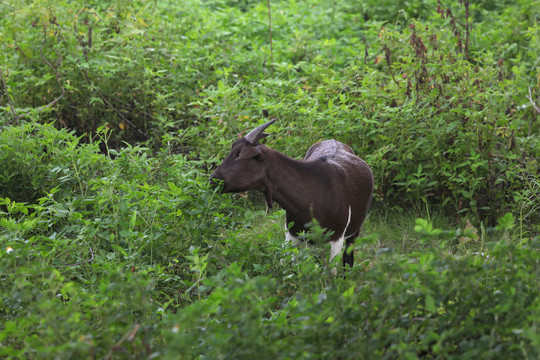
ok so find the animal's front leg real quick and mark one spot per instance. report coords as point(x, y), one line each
point(290, 238)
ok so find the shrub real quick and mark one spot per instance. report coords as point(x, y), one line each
point(114, 247)
point(398, 306)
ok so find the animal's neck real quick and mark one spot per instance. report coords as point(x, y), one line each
point(289, 182)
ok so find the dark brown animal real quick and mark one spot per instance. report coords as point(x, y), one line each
point(331, 184)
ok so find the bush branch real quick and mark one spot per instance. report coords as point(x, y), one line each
point(271, 47)
point(7, 93)
point(55, 69)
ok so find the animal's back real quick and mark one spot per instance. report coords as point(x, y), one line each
point(341, 155)
point(354, 184)
point(327, 149)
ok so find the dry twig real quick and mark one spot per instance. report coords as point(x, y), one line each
point(535, 107)
point(128, 336)
point(532, 101)
point(84, 261)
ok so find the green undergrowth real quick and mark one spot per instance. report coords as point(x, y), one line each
point(114, 244)
point(132, 254)
point(433, 94)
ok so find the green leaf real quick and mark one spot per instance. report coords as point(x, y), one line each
point(505, 222)
point(133, 221)
point(429, 304)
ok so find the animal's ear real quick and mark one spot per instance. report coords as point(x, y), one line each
point(249, 152)
point(263, 135)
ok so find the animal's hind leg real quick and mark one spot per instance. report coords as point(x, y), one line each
point(348, 258)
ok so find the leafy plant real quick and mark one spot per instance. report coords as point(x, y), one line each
point(114, 244)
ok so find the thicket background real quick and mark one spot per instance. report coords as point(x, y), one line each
point(113, 115)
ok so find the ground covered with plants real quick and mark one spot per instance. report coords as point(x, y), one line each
point(114, 245)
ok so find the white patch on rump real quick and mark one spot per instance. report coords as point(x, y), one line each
point(337, 246)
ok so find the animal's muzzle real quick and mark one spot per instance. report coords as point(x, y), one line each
point(216, 182)
point(213, 181)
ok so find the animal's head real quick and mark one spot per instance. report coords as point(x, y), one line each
point(245, 166)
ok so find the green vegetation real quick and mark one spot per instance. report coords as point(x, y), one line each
point(113, 244)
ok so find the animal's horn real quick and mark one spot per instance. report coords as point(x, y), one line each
point(257, 133)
